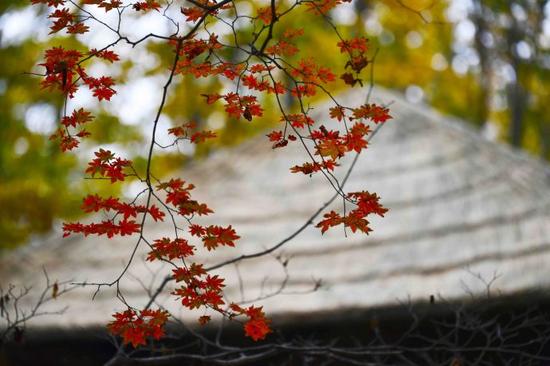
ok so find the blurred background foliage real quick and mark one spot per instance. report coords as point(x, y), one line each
point(485, 61)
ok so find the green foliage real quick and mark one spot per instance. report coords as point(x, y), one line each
point(38, 183)
point(32, 171)
point(418, 46)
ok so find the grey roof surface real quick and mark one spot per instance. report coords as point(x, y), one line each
point(460, 206)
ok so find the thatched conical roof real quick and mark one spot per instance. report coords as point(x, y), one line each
point(461, 208)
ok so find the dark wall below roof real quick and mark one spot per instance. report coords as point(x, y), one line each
point(83, 347)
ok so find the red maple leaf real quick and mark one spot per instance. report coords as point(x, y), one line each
point(156, 213)
point(331, 219)
point(134, 328)
point(63, 17)
point(275, 136)
point(78, 28)
point(105, 54)
point(128, 227)
point(217, 235)
point(257, 327)
point(193, 14)
point(109, 5)
point(337, 112)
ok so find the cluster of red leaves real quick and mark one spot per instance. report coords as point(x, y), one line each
point(298, 120)
point(125, 226)
point(200, 289)
point(257, 326)
point(310, 72)
point(308, 75)
point(376, 113)
point(279, 140)
point(331, 145)
point(192, 48)
point(107, 55)
point(178, 194)
point(285, 47)
point(78, 117)
point(367, 203)
point(310, 168)
point(134, 328)
point(105, 227)
point(356, 48)
point(237, 105)
point(62, 66)
point(262, 84)
point(185, 132)
point(170, 249)
point(63, 19)
point(192, 14)
point(373, 112)
point(213, 236)
point(68, 141)
point(106, 165)
point(94, 203)
point(146, 5)
point(101, 87)
point(190, 62)
point(108, 5)
point(63, 71)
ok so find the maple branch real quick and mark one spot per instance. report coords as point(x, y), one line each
point(306, 78)
point(179, 43)
point(309, 222)
point(301, 228)
point(270, 30)
point(276, 246)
